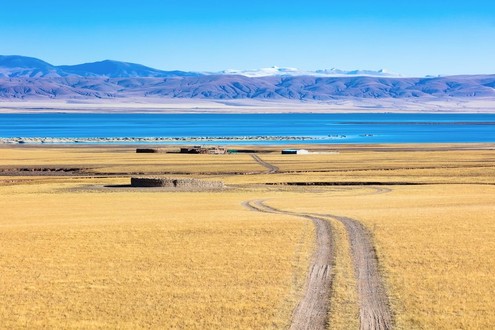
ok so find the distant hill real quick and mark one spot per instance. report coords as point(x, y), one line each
point(15, 66)
point(115, 69)
point(30, 78)
point(21, 66)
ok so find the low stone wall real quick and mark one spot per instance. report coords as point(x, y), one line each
point(176, 183)
point(148, 150)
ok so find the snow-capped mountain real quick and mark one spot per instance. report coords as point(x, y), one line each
point(31, 78)
point(287, 71)
point(364, 73)
point(22, 66)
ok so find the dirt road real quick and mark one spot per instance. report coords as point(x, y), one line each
point(312, 310)
point(271, 168)
point(374, 309)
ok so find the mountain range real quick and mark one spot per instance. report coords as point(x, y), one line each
point(278, 71)
point(30, 78)
point(14, 66)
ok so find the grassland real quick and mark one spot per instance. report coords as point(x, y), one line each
point(124, 160)
point(436, 245)
point(134, 260)
point(78, 254)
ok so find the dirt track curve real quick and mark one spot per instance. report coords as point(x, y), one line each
point(374, 308)
point(312, 310)
point(271, 168)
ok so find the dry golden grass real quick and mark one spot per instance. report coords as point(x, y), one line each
point(463, 166)
point(379, 160)
point(398, 166)
point(78, 255)
point(436, 246)
point(118, 160)
point(148, 259)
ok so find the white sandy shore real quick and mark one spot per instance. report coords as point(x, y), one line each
point(147, 105)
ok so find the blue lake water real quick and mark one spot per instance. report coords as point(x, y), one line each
point(328, 128)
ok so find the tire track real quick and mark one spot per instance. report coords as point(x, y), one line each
point(312, 310)
point(374, 308)
point(271, 168)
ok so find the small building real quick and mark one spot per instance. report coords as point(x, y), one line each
point(295, 152)
point(190, 150)
point(203, 150)
point(216, 151)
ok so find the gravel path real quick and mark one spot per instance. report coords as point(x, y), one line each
point(312, 310)
point(271, 168)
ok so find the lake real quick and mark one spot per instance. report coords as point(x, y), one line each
point(321, 128)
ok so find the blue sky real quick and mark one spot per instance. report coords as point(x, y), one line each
point(409, 37)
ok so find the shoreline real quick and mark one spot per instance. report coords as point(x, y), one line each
point(159, 140)
point(285, 142)
point(344, 146)
point(137, 105)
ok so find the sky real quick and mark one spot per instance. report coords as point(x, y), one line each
point(413, 38)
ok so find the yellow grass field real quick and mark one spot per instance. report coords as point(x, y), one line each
point(124, 160)
point(138, 260)
point(77, 253)
point(436, 245)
